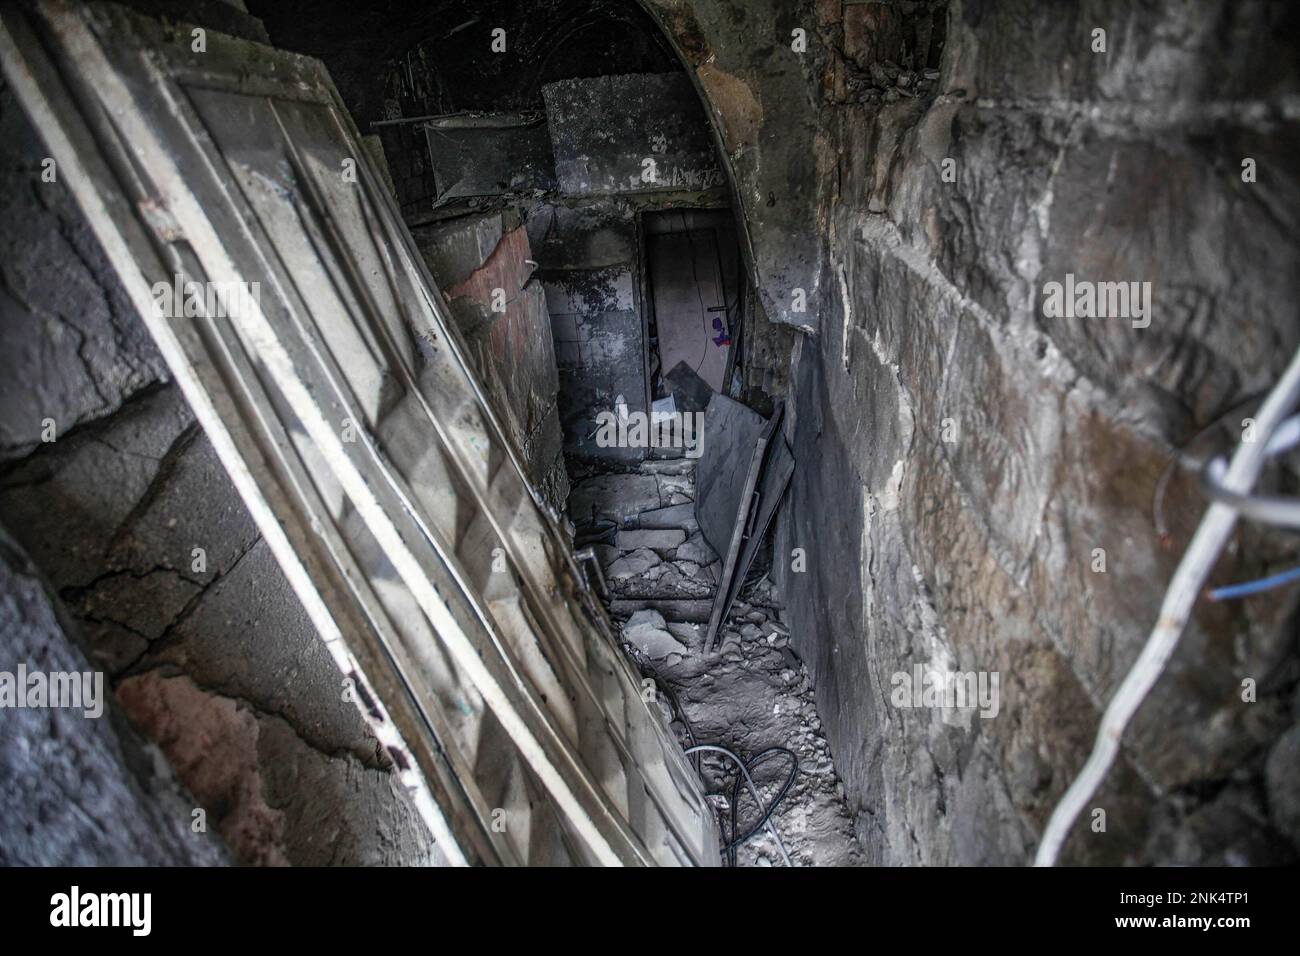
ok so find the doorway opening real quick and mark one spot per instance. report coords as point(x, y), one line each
point(693, 298)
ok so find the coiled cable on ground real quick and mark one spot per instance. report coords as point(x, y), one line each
point(758, 758)
point(766, 821)
point(730, 842)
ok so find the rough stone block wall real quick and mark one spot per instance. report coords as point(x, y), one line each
point(977, 554)
point(970, 453)
point(763, 99)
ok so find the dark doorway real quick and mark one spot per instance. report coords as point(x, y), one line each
point(692, 277)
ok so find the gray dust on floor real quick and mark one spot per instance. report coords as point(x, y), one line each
point(750, 694)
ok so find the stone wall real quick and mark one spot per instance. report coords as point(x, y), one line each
point(971, 454)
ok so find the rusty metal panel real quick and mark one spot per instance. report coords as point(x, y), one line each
point(338, 395)
point(489, 154)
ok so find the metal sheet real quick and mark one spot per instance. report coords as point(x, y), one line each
point(489, 160)
point(743, 473)
point(731, 432)
point(773, 481)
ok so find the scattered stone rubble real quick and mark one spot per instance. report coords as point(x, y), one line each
point(751, 693)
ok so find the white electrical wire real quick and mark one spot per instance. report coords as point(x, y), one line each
point(1276, 510)
point(1198, 561)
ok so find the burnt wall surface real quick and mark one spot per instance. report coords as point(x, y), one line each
point(484, 266)
point(629, 133)
point(395, 63)
point(427, 59)
point(611, 89)
point(588, 260)
point(991, 468)
point(760, 78)
point(158, 578)
point(622, 145)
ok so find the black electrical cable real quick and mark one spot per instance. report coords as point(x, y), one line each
point(754, 761)
point(753, 789)
point(730, 843)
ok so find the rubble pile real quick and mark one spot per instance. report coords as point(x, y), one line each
point(750, 694)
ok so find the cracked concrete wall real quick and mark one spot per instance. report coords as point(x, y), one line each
point(208, 654)
point(58, 321)
point(80, 790)
point(971, 452)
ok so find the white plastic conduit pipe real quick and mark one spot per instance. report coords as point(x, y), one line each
point(1198, 561)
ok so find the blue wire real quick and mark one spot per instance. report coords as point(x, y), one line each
point(1254, 587)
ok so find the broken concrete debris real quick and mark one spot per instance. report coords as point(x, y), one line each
point(631, 565)
point(695, 549)
point(680, 516)
point(659, 540)
point(673, 609)
point(620, 497)
point(647, 631)
point(750, 694)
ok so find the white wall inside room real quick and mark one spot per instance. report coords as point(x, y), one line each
point(693, 294)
